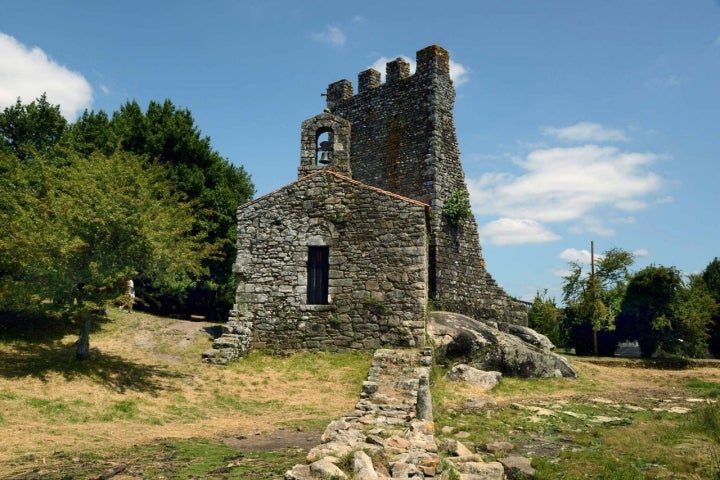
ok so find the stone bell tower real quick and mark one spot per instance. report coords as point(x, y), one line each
point(325, 143)
point(404, 141)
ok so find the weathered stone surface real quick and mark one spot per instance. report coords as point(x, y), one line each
point(403, 470)
point(363, 467)
point(397, 442)
point(374, 193)
point(454, 448)
point(404, 140)
point(499, 448)
point(528, 335)
point(424, 401)
point(367, 232)
point(336, 449)
point(518, 468)
point(326, 469)
point(480, 470)
point(387, 409)
point(488, 348)
point(299, 472)
point(473, 376)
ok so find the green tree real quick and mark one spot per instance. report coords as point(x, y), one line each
point(91, 133)
point(693, 314)
point(168, 136)
point(31, 129)
point(648, 309)
point(711, 277)
point(78, 232)
point(593, 299)
point(545, 317)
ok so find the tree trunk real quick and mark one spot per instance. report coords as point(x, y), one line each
point(83, 343)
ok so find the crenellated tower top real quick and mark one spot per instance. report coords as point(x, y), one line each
point(431, 61)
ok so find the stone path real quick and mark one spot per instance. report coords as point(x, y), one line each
point(390, 434)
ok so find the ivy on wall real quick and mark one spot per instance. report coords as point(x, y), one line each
point(457, 206)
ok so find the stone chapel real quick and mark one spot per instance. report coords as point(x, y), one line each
point(354, 253)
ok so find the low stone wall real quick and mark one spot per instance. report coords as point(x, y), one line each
point(391, 434)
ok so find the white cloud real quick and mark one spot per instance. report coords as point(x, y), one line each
point(583, 257)
point(29, 72)
point(331, 35)
point(575, 255)
point(586, 132)
point(516, 231)
point(564, 184)
point(458, 73)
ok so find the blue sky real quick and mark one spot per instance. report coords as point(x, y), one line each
point(577, 120)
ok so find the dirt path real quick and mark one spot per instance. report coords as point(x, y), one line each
point(278, 440)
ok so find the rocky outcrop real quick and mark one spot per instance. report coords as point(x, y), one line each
point(473, 376)
point(490, 346)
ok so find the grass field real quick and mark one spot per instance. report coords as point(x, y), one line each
point(144, 394)
point(145, 405)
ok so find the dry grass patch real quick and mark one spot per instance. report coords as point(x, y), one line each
point(145, 381)
point(613, 422)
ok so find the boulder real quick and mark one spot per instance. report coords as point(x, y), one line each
point(517, 468)
point(499, 448)
point(363, 467)
point(473, 376)
point(454, 448)
point(486, 347)
point(528, 335)
point(324, 468)
point(479, 470)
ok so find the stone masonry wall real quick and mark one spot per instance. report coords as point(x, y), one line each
point(403, 140)
point(377, 274)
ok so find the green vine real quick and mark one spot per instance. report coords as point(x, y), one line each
point(457, 206)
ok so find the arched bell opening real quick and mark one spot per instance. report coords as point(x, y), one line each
point(324, 146)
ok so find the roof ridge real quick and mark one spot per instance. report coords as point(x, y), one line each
point(344, 178)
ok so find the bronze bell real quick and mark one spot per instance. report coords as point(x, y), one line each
point(325, 157)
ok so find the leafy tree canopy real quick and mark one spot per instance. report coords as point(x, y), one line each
point(545, 317)
point(163, 136)
point(31, 129)
point(73, 234)
point(168, 136)
point(665, 314)
point(80, 231)
point(711, 278)
point(593, 300)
